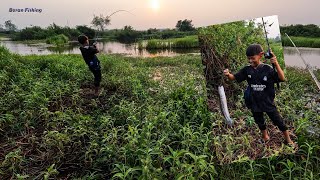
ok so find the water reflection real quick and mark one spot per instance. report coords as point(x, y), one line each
point(104, 47)
point(311, 56)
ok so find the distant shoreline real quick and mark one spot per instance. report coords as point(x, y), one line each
point(301, 42)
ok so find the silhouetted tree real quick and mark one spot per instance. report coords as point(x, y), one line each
point(10, 26)
point(185, 25)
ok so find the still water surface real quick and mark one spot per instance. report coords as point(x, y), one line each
point(292, 58)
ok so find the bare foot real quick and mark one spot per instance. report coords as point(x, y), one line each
point(266, 138)
point(290, 143)
point(287, 138)
point(265, 135)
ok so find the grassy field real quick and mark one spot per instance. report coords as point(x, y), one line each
point(301, 42)
point(185, 42)
point(3, 34)
point(317, 73)
point(192, 42)
point(151, 121)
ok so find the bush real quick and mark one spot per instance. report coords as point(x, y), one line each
point(301, 42)
point(58, 40)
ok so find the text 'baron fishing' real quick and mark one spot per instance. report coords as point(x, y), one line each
point(25, 10)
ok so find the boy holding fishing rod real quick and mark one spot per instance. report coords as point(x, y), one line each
point(260, 93)
point(89, 56)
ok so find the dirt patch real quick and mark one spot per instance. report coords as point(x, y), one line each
point(38, 158)
point(242, 141)
point(157, 76)
point(58, 104)
point(86, 100)
point(89, 93)
point(213, 105)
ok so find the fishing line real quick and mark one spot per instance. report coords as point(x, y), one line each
point(108, 17)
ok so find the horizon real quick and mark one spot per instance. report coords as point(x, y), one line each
point(164, 28)
point(159, 14)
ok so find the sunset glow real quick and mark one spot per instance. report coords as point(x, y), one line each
point(155, 5)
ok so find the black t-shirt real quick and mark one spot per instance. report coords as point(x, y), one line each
point(89, 54)
point(261, 82)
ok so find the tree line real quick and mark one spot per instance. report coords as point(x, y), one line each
point(299, 30)
point(126, 34)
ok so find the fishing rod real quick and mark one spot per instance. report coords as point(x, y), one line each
point(305, 63)
point(268, 54)
point(107, 18)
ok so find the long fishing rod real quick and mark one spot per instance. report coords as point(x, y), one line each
point(108, 17)
point(268, 54)
point(265, 32)
point(305, 63)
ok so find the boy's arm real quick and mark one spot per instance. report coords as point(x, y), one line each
point(94, 49)
point(228, 74)
point(278, 67)
point(239, 76)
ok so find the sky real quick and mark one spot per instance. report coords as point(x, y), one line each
point(271, 25)
point(145, 14)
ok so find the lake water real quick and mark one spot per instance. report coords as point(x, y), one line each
point(104, 47)
point(310, 55)
point(292, 58)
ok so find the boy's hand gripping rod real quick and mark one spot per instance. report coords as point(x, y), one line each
point(268, 54)
point(305, 63)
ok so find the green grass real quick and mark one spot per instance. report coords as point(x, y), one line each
point(185, 42)
point(317, 73)
point(278, 51)
point(150, 122)
point(32, 41)
point(57, 40)
point(301, 42)
point(2, 35)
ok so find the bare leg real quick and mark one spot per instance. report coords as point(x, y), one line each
point(265, 135)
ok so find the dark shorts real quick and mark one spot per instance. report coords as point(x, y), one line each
point(275, 118)
point(97, 76)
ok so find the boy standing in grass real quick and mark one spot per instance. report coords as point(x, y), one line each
point(89, 56)
point(261, 78)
